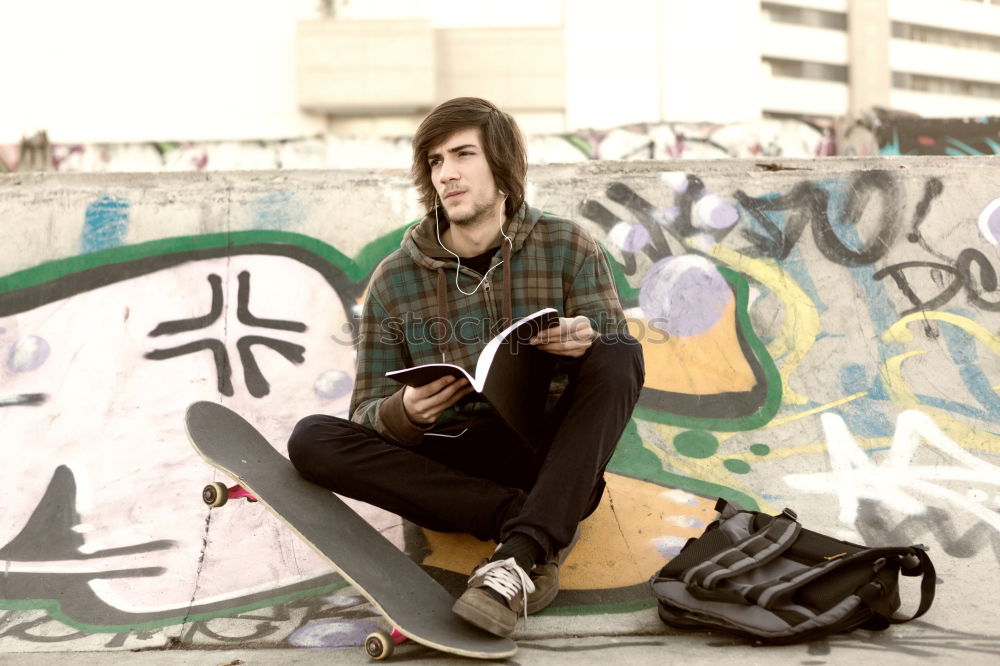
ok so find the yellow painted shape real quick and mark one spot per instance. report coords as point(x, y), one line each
point(892, 376)
point(800, 327)
point(899, 332)
point(704, 364)
point(773, 423)
point(617, 546)
point(970, 438)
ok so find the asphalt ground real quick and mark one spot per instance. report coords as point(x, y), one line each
point(914, 643)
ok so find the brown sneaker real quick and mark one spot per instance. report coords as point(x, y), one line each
point(545, 576)
point(483, 609)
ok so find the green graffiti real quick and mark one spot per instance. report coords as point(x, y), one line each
point(736, 466)
point(356, 269)
point(581, 144)
point(634, 460)
point(760, 449)
point(696, 444)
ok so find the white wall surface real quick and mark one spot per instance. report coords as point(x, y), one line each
point(803, 96)
point(711, 60)
point(612, 73)
point(797, 42)
point(121, 70)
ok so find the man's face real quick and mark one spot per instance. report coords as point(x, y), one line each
point(463, 179)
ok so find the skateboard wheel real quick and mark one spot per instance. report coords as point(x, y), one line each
point(378, 645)
point(215, 494)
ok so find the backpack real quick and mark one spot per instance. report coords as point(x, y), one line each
point(768, 579)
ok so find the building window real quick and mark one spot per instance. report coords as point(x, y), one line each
point(944, 86)
point(801, 69)
point(958, 39)
point(812, 18)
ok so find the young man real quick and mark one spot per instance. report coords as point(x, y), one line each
point(480, 258)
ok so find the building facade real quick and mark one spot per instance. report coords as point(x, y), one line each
point(112, 71)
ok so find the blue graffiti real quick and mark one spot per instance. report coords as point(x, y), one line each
point(105, 224)
point(278, 211)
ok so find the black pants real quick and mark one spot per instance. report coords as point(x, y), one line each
point(483, 482)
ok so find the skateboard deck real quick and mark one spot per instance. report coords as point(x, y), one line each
point(399, 589)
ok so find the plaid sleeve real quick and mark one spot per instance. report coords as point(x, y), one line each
point(381, 348)
point(593, 292)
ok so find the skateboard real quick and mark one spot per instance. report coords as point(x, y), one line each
point(413, 603)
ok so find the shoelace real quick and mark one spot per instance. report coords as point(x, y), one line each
point(506, 577)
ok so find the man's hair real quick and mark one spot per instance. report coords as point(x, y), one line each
point(502, 143)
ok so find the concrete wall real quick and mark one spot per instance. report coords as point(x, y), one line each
point(833, 343)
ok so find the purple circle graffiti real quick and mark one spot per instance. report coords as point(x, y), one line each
point(684, 295)
point(712, 212)
point(332, 633)
point(989, 222)
point(333, 384)
point(629, 236)
point(28, 354)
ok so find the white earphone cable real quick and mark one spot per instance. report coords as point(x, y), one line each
point(437, 231)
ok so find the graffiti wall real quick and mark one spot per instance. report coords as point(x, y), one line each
point(889, 133)
point(822, 336)
point(644, 141)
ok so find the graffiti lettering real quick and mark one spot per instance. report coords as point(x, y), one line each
point(977, 284)
point(809, 205)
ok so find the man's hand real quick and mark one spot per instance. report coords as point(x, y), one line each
point(570, 337)
point(424, 404)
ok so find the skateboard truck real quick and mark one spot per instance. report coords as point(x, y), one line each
point(379, 644)
point(217, 494)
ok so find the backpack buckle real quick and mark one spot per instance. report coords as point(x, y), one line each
point(788, 513)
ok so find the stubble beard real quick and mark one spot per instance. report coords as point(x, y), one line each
point(481, 212)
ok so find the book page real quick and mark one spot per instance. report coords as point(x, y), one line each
point(486, 358)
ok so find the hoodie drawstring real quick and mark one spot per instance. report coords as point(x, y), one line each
point(507, 307)
point(442, 308)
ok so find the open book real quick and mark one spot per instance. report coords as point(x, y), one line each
point(511, 375)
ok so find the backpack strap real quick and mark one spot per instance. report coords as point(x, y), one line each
point(768, 594)
point(915, 562)
point(753, 551)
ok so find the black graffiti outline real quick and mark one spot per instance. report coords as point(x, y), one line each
point(933, 188)
point(244, 316)
point(223, 368)
point(962, 276)
point(256, 383)
point(23, 399)
point(195, 323)
point(808, 206)
point(648, 215)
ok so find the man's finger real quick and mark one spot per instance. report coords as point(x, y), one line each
point(436, 386)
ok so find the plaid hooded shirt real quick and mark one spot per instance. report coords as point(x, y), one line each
point(413, 314)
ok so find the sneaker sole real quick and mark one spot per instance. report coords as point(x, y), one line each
point(482, 619)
